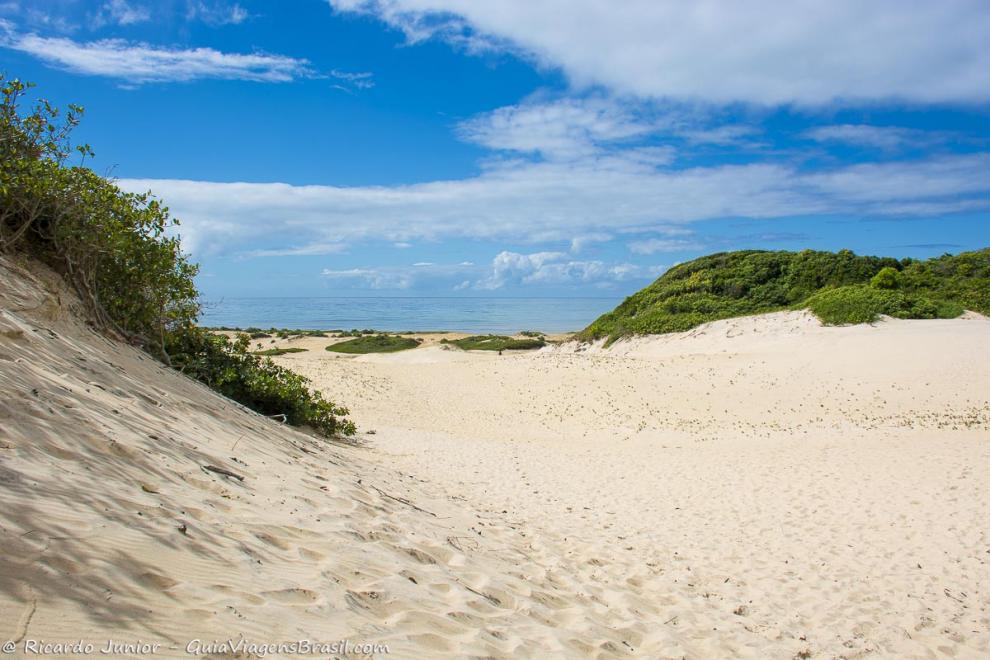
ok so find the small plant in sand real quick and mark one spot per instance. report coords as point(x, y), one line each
point(381, 343)
point(272, 352)
point(497, 343)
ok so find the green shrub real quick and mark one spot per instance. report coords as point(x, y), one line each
point(116, 250)
point(271, 352)
point(374, 344)
point(731, 284)
point(111, 246)
point(496, 343)
point(256, 382)
point(859, 303)
point(886, 279)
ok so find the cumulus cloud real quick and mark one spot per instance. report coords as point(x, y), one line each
point(137, 63)
point(555, 268)
point(760, 51)
point(567, 128)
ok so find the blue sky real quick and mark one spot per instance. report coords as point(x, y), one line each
point(523, 147)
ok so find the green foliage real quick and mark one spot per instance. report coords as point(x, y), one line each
point(374, 344)
point(271, 352)
point(859, 303)
point(887, 278)
point(120, 253)
point(112, 246)
point(741, 283)
point(356, 333)
point(531, 333)
point(496, 343)
point(256, 382)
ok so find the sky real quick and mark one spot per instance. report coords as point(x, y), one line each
point(523, 147)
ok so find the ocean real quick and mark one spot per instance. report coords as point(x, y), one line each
point(472, 315)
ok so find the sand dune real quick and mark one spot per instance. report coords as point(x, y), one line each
point(758, 488)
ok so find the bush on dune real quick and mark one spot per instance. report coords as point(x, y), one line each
point(860, 303)
point(839, 287)
point(374, 344)
point(496, 343)
point(118, 251)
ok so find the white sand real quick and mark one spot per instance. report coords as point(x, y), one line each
point(760, 487)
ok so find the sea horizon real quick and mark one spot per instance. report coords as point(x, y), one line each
point(472, 314)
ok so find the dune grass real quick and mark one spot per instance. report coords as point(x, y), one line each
point(496, 343)
point(374, 344)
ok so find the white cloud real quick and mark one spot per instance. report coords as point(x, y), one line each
point(314, 249)
point(720, 136)
point(654, 245)
point(763, 52)
point(138, 63)
point(120, 12)
point(371, 278)
point(581, 241)
point(360, 80)
point(863, 135)
point(557, 201)
point(554, 268)
point(215, 13)
point(564, 129)
point(399, 277)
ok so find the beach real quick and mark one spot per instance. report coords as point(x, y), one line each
point(756, 487)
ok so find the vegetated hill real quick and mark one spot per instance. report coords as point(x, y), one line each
point(839, 287)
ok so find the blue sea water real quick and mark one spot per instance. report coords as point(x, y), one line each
point(473, 315)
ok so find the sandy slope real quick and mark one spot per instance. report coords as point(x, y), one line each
point(764, 488)
point(756, 487)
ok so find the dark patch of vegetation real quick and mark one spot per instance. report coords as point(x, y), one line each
point(863, 303)
point(375, 344)
point(119, 252)
point(357, 333)
point(281, 333)
point(495, 343)
point(838, 287)
point(532, 333)
point(271, 352)
point(226, 366)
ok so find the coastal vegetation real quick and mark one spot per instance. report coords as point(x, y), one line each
point(272, 352)
point(838, 287)
point(380, 343)
point(496, 343)
point(121, 254)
